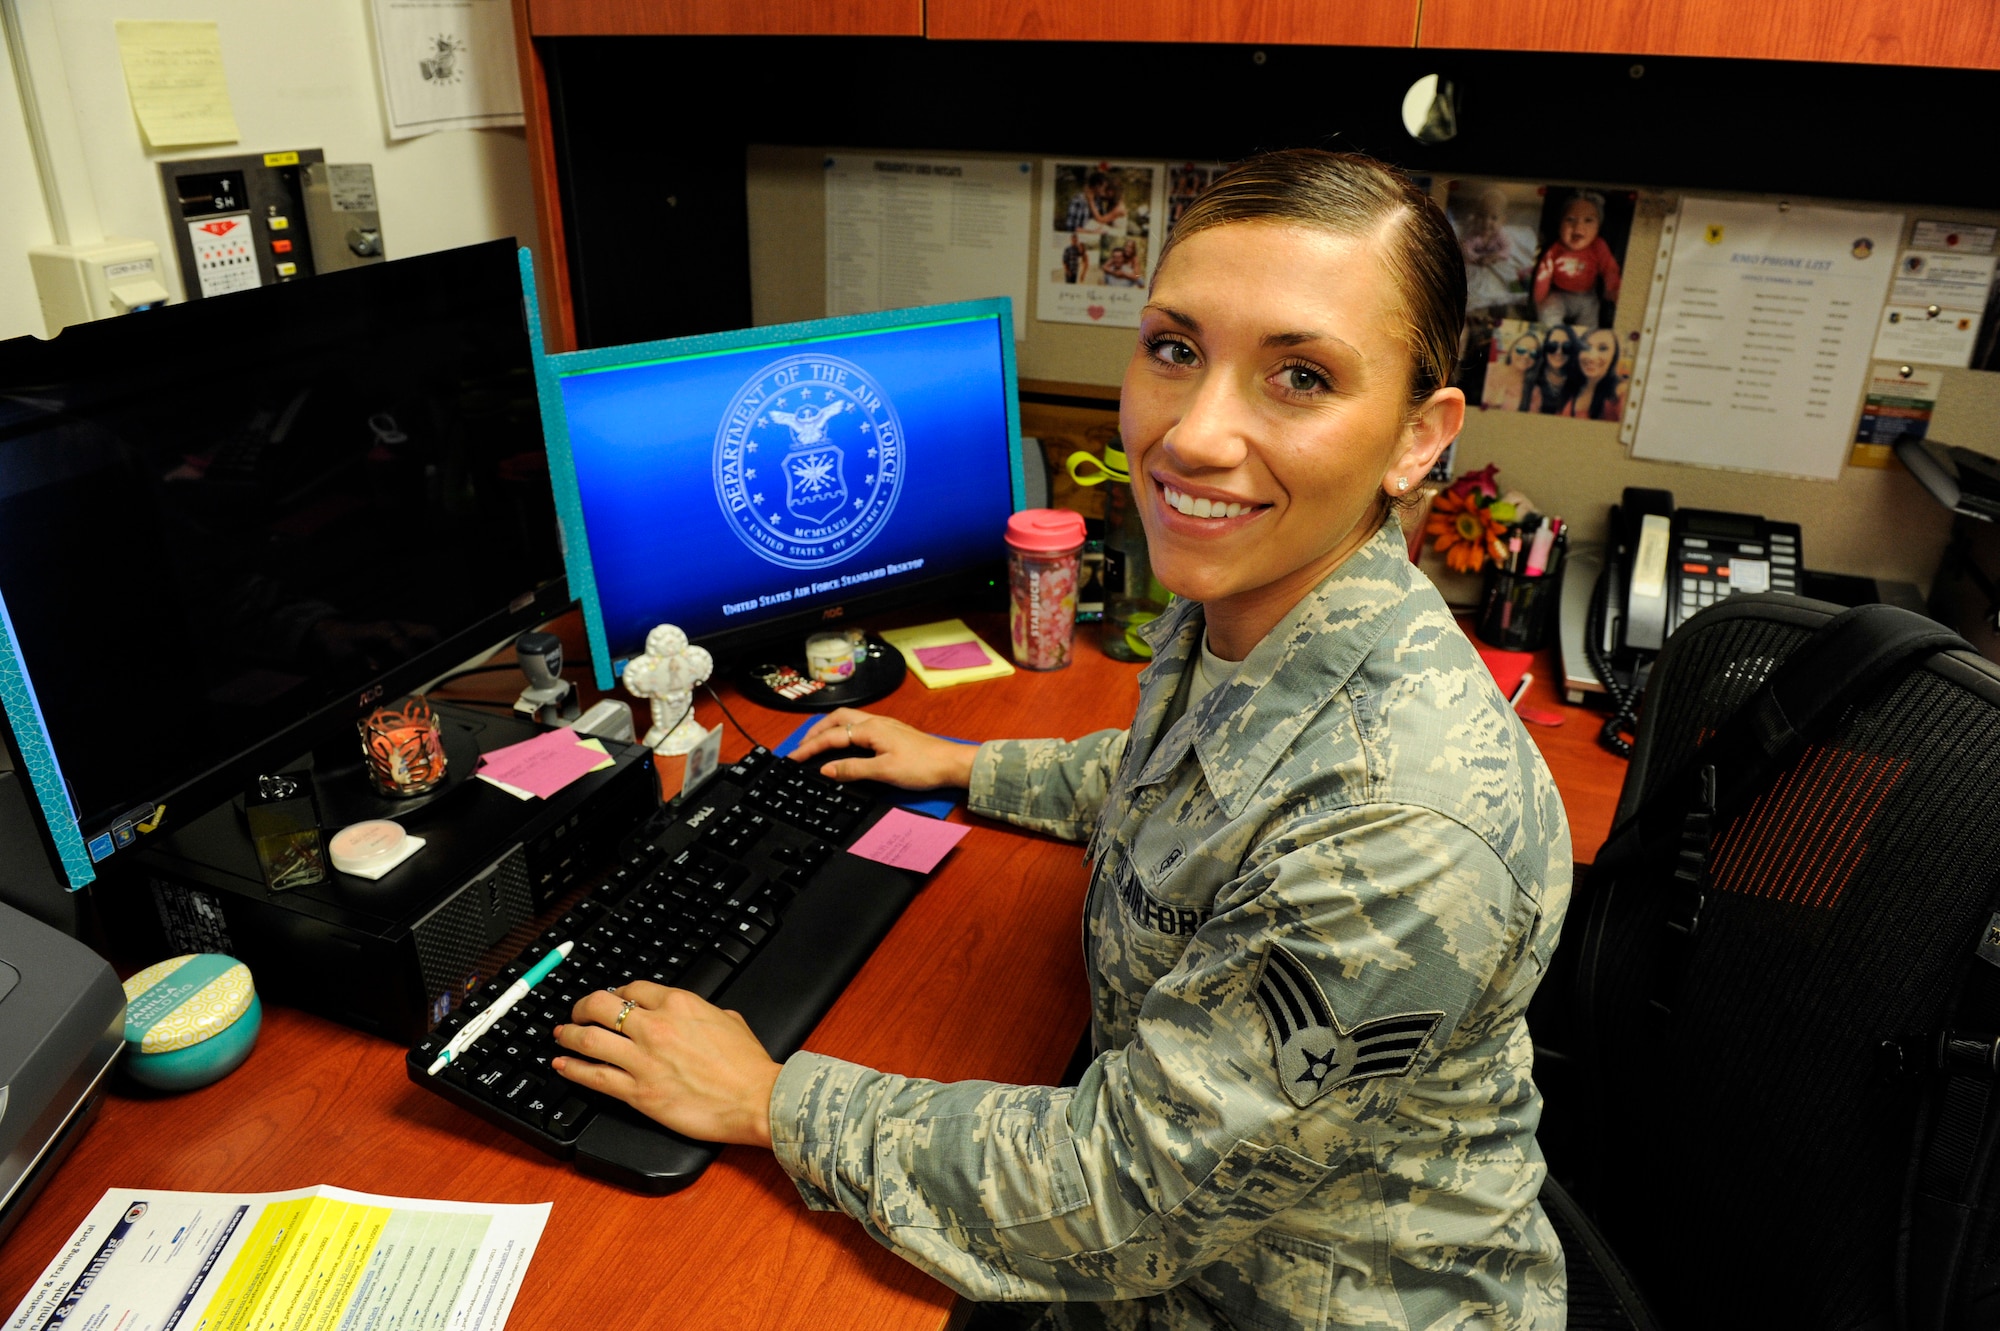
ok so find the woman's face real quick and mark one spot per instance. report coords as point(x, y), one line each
point(1522, 354)
point(1580, 224)
point(1265, 410)
point(1599, 350)
point(1557, 349)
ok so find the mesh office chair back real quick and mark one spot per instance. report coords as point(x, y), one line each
point(1762, 1080)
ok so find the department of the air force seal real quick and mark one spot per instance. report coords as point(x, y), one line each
point(808, 460)
point(1315, 1052)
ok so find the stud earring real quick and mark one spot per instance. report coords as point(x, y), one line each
point(1402, 484)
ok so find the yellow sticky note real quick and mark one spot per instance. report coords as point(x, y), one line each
point(944, 633)
point(174, 73)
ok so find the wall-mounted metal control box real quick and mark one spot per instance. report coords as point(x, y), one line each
point(259, 218)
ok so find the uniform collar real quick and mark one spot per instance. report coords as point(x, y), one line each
point(1241, 729)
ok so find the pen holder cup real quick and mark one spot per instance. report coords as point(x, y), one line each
point(404, 748)
point(1517, 611)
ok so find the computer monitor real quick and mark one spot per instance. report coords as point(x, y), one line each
point(753, 485)
point(229, 528)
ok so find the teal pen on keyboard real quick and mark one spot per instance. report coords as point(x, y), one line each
point(517, 991)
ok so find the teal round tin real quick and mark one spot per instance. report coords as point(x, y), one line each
point(189, 1020)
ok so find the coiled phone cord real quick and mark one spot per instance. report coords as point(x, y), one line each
point(1624, 718)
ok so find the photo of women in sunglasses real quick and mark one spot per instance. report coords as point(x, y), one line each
point(1560, 377)
point(1600, 390)
point(1515, 364)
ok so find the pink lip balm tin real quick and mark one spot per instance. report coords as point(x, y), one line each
point(1043, 545)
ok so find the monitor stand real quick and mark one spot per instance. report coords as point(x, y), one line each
point(876, 677)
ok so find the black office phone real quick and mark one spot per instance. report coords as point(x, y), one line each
point(1664, 565)
point(1691, 558)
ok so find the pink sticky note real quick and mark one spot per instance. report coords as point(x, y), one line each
point(908, 840)
point(542, 765)
point(953, 656)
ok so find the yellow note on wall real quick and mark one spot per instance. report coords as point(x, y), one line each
point(174, 73)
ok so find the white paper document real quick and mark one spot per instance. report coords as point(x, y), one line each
point(447, 64)
point(905, 231)
point(1948, 280)
point(1761, 334)
point(149, 1260)
point(1914, 333)
point(1935, 304)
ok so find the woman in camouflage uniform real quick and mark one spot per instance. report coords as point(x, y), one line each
point(1329, 866)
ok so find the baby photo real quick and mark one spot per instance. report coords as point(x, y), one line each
point(1534, 254)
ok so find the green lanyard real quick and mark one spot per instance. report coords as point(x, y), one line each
point(1087, 469)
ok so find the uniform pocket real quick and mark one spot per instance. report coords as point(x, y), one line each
point(1276, 1282)
point(983, 1171)
point(1249, 1187)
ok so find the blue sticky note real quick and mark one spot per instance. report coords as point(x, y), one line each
point(934, 804)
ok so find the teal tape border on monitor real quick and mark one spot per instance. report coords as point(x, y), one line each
point(31, 734)
point(1013, 403)
point(551, 370)
point(562, 479)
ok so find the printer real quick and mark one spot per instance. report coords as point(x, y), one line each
point(62, 1025)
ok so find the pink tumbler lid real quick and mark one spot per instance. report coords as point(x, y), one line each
point(1050, 530)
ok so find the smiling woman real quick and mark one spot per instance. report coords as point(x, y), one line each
point(1293, 405)
point(1329, 867)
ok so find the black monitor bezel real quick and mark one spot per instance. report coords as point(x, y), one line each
point(107, 342)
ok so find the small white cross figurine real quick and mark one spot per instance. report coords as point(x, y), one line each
point(667, 675)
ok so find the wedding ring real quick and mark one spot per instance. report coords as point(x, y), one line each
point(619, 1025)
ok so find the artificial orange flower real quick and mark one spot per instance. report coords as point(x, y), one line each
point(1466, 530)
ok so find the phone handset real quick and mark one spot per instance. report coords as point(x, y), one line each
point(1628, 609)
point(1646, 605)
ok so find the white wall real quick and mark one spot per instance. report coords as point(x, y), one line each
point(24, 222)
point(301, 75)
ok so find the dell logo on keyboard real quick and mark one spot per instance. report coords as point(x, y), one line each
point(701, 815)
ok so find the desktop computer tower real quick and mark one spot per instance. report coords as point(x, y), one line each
point(395, 956)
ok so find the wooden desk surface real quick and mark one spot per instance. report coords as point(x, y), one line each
point(982, 978)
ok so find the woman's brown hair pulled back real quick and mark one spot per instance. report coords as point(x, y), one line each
point(1352, 195)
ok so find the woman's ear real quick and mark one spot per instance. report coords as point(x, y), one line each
point(1429, 432)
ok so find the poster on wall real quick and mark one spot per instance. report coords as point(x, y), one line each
point(1548, 259)
point(447, 64)
point(1100, 229)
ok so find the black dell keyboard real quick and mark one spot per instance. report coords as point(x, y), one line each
point(743, 894)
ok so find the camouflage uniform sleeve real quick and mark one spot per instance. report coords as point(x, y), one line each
point(1185, 1143)
point(1048, 785)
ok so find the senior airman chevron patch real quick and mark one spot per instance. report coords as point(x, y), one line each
point(1315, 1052)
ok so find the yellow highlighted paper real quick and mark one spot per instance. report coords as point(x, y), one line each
point(315, 1260)
point(174, 74)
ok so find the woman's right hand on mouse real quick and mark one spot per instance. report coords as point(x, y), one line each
point(890, 752)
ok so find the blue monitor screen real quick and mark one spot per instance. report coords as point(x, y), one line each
point(737, 481)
